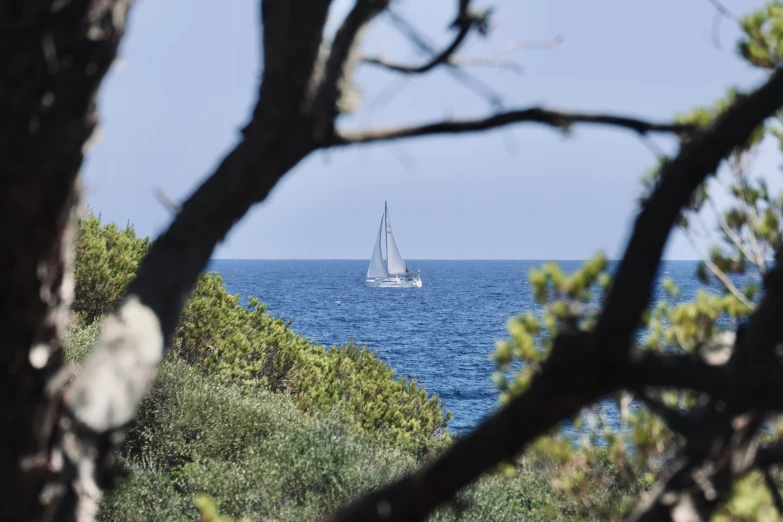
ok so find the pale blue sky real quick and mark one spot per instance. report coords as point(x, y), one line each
point(188, 78)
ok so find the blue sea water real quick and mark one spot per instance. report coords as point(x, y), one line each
point(442, 334)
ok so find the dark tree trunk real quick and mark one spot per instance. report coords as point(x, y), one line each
point(53, 56)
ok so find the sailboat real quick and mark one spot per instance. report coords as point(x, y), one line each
point(395, 272)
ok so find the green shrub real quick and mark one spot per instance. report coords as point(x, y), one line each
point(106, 261)
point(79, 340)
point(252, 450)
point(365, 387)
point(245, 345)
point(254, 454)
point(249, 346)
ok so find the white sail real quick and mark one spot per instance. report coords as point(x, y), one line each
point(376, 268)
point(394, 261)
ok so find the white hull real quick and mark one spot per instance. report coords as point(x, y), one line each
point(394, 282)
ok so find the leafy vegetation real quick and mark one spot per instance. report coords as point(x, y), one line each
point(250, 347)
point(201, 444)
point(106, 261)
point(249, 419)
point(635, 447)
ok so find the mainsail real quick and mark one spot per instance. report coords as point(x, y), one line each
point(376, 268)
point(395, 262)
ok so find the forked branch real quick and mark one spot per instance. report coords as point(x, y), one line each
point(725, 446)
point(717, 272)
point(464, 22)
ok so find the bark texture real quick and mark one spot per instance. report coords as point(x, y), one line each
point(53, 56)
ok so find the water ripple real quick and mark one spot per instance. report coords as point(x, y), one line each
point(442, 333)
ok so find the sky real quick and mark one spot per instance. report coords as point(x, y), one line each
point(188, 73)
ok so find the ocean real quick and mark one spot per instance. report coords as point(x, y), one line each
point(442, 334)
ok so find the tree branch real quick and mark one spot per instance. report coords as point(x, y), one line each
point(682, 371)
point(725, 447)
point(486, 61)
point(460, 74)
point(338, 63)
point(464, 22)
point(552, 118)
point(720, 451)
point(565, 385)
point(730, 233)
point(717, 272)
point(574, 376)
point(690, 372)
point(698, 158)
point(769, 481)
point(676, 420)
point(115, 376)
point(492, 59)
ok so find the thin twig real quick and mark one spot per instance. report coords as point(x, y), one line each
point(492, 59)
point(483, 61)
point(717, 272)
point(528, 44)
point(724, 11)
point(708, 233)
point(552, 118)
point(750, 212)
point(464, 22)
point(342, 55)
point(428, 49)
point(721, 12)
point(728, 230)
point(167, 201)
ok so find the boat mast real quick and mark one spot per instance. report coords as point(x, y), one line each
point(386, 226)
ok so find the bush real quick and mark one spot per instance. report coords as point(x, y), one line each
point(106, 261)
point(253, 450)
point(365, 388)
point(258, 456)
point(249, 346)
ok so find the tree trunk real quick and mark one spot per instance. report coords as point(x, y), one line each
point(53, 56)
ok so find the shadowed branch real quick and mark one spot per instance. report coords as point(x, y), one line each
point(464, 22)
point(581, 367)
point(552, 118)
point(725, 447)
point(677, 421)
point(769, 481)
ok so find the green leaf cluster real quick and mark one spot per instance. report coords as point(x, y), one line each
point(106, 260)
point(762, 42)
point(567, 302)
point(627, 454)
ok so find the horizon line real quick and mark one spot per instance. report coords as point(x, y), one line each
point(421, 259)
